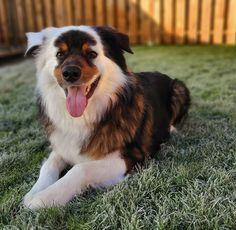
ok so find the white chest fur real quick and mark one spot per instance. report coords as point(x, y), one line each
point(68, 145)
point(69, 133)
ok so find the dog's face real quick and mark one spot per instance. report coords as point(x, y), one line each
point(82, 56)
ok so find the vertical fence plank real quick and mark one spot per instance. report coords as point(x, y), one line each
point(168, 22)
point(133, 21)
point(206, 21)
point(88, 9)
point(29, 15)
point(59, 12)
point(157, 22)
point(48, 13)
point(218, 21)
point(68, 12)
point(121, 13)
point(38, 15)
point(180, 21)
point(193, 21)
point(20, 20)
point(110, 10)
point(99, 12)
point(4, 23)
point(78, 12)
point(145, 22)
point(231, 23)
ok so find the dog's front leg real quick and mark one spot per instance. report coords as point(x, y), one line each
point(49, 174)
point(109, 170)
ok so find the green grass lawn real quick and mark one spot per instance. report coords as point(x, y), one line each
point(191, 183)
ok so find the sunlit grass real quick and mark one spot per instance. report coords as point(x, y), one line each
point(190, 184)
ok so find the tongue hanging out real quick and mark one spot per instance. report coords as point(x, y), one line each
point(76, 100)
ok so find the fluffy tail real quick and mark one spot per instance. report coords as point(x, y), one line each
point(180, 101)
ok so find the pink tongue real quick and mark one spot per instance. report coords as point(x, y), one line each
point(76, 101)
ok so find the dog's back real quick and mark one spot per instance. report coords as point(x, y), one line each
point(166, 95)
point(169, 101)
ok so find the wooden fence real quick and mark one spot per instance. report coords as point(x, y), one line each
point(145, 21)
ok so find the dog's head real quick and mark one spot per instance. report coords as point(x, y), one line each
point(81, 58)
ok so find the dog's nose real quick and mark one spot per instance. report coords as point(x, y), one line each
point(71, 73)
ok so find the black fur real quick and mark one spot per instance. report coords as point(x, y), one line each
point(74, 39)
point(167, 97)
point(114, 43)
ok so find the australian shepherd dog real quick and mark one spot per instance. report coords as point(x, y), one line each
point(101, 119)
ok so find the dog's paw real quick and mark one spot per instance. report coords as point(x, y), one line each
point(27, 198)
point(42, 200)
point(36, 202)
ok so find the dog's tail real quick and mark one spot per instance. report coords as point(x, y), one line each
point(180, 101)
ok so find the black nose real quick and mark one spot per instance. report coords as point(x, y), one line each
point(71, 73)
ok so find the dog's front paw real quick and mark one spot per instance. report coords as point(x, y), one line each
point(27, 198)
point(34, 201)
point(43, 199)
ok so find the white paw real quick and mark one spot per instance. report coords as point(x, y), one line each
point(34, 203)
point(43, 199)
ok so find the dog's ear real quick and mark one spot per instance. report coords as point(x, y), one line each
point(123, 41)
point(34, 41)
point(113, 37)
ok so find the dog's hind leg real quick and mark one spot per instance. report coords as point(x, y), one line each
point(49, 174)
point(96, 173)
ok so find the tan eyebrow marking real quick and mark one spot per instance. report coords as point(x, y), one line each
point(86, 47)
point(63, 47)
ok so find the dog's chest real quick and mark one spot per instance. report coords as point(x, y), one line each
point(68, 145)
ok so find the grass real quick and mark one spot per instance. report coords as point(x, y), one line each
point(191, 184)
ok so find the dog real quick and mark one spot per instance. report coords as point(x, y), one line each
point(101, 119)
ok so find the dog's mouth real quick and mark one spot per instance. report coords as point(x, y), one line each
point(77, 97)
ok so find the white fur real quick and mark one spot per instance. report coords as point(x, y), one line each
point(71, 133)
point(79, 178)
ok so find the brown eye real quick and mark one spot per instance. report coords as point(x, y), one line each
point(92, 55)
point(60, 54)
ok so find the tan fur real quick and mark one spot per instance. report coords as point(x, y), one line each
point(87, 71)
point(63, 47)
point(86, 48)
point(58, 75)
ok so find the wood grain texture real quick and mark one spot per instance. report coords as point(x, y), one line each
point(121, 19)
point(193, 21)
point(4, 23)
point(145, 21)
point(100, 13)
point(110, 10)
point(133, 21)
point(157, 27)
point(206, 10)
point(88, 9)
point(168, 22)
point(231, 23)
point(219, 21)
point(180, 21)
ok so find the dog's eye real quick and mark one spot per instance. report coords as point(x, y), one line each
point(92, 55)
point(60, 54)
